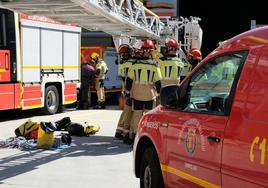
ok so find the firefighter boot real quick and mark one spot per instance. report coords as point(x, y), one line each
point(126, 139)
point(98, 106)
point(102, 105)
point(119, 135)
point(129, 139)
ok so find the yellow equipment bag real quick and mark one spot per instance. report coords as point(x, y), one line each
point(45, 138)
point(84, 129)
point(90, 128)
point(27, 127)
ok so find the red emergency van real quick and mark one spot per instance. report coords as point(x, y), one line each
point(212, 130)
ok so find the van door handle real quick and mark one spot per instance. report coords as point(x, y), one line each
point(213, 139)
point(164, 124)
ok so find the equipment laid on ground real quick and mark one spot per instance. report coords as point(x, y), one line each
point(82, 129)
point(44, 132)
point(45, 138)
point(26, 128)
point(62, 123)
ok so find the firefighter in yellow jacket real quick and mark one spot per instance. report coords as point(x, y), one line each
point(171, 66)
point(101, 71)
point(126, 61)
point(144, 77)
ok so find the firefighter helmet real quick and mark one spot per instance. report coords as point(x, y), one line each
point(124, 49)
point(94, 55)
point(195, 53)
point(173, 43)
point(147, 44)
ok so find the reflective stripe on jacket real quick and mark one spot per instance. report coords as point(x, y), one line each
point(144, 74)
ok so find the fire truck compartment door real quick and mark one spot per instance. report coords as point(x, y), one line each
point(71, 55)
point(31, 54)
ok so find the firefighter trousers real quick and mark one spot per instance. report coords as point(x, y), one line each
point(100, 90)
point(123, 125)
point(139, 108)
point(83, 101)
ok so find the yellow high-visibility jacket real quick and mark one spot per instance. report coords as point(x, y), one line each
point(144, 74)
point(171, 69)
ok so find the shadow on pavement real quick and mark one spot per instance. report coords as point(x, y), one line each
point(9, 115)
point(28, 160)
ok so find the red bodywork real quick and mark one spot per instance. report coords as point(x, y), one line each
point(4, 66)
point(239, 159)
point(70, 93)
point(9, 93)
point(9, 96)
point(32, 96)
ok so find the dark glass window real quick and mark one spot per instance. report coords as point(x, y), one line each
point(211, 85)
point(2, 30)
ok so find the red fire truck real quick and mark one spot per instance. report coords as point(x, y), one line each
point(212, 130)
point(39, 62)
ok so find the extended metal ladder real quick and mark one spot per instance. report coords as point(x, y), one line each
point(116, 17)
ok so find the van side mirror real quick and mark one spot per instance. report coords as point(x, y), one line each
point(169, 96)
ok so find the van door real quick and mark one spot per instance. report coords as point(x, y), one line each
point(196, 132)
point(245, 157)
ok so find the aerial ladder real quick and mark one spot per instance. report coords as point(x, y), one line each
point(119, 18)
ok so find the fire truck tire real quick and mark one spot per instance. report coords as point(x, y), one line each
point(51, 100)
point(150, 173)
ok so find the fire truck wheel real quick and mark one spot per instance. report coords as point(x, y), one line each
point(51, 100)
point(150, 174)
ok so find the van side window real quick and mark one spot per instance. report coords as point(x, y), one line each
point(210, 86)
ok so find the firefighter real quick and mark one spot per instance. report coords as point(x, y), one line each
point(194, 57)
point(101, 71)
point(171, 66)
point(87, 77)
point(126, 61)
point(144, 77)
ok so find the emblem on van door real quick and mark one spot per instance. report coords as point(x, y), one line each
point(198, 133)
point(190, 141)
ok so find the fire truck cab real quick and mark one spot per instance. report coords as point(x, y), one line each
point(39, 62)
point(212, 130)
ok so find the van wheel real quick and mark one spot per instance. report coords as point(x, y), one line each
point(51, 100)
point(150, 173)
